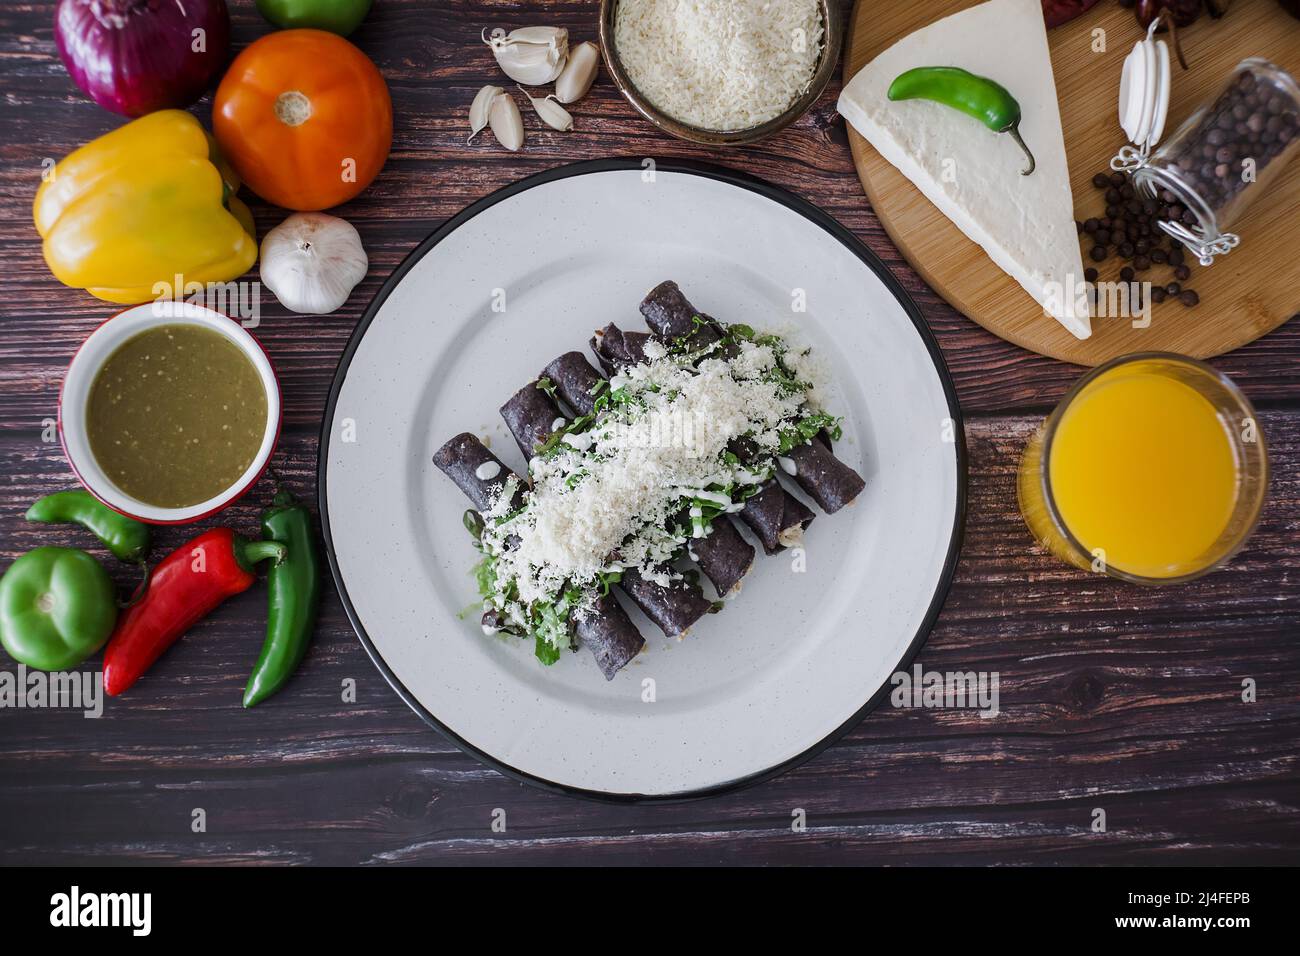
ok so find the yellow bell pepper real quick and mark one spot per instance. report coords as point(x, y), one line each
point(140, 206)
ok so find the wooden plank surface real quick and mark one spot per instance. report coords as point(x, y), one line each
point(1113, 697)
point(1244, 296)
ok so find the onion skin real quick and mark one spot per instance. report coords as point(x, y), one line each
point(137, 56)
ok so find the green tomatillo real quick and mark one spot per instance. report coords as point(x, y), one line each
point(57, 607)
point(336, 16)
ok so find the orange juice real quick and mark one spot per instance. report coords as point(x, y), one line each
point(1142, 471)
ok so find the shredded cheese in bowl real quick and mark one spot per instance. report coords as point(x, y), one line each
point(720, 64)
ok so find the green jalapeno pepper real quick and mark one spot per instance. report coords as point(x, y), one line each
point(976, 96)
point(127, 538)
point(293, 598)
point(56, 608)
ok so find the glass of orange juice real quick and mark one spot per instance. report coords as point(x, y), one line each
point(1152, 469)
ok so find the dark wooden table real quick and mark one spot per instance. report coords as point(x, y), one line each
point(1113, 696)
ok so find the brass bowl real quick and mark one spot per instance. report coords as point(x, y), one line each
point(832, 30)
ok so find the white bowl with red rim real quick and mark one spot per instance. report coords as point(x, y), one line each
point(90, 358)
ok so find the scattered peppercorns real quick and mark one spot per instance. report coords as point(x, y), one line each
point(1131, 230)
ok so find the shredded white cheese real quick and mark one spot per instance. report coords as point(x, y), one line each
point(810, 368)
point(604, 499)
point(719, 64)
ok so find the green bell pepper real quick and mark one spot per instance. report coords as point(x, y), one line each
point(57, 607)
point(336, 16)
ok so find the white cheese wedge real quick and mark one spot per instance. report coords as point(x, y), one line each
point(1024, 223)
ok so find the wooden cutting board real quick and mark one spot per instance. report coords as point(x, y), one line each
point(1244, 295)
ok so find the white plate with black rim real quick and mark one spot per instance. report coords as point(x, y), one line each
point(477, 310)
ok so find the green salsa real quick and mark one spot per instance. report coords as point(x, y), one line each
point(175, 415)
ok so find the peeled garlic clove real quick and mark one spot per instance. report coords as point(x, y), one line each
point(578, 75)
point(532, 55)
point(478, 110)
point(507, 125)
point(312, 261)
point(552, 114)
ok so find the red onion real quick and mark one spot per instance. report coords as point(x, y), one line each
point(137, 56)
point(1057, 12)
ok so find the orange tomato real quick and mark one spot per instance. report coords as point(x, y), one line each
point(305, 119)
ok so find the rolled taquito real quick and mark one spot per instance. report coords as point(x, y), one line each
point(476, 471)
point(531, 416)
point(674, 607)
point(575, 381)
point(605, 629)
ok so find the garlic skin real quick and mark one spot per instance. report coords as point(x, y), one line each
point(312, 261)
point(577, 77)
point(478, 110)
point(530, 55)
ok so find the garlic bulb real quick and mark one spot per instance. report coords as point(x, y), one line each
point(478, 110)
point(312, 261)
point(576, 78)
point(551, 112)
point(531, 55)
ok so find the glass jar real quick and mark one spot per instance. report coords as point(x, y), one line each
point(1227, 153)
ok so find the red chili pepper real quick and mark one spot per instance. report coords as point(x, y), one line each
point(185, 586)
